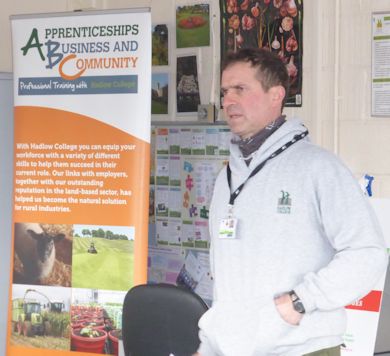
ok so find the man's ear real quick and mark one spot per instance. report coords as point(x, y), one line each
point(277, 94)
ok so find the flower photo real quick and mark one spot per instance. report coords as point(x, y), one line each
point(274, 25)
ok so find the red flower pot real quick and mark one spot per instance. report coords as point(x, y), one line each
point(93, 345)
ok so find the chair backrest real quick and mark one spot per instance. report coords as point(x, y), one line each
point(160, 320)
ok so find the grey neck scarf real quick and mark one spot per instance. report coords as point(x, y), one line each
point(250, 145)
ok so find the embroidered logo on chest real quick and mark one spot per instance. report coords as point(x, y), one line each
point(284, 203)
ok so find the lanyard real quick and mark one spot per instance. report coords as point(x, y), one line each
point(236, 193)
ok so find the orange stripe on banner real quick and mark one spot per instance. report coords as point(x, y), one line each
point(371, 302)
point(72, 169)
point(24, 351)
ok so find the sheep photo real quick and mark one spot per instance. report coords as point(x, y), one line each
point(43, 254)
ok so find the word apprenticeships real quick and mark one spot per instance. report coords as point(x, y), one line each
point(91, 31)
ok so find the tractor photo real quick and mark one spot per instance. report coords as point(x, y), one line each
point(27, 318)
point(27, 315)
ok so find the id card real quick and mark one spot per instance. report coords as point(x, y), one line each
point(228, 228)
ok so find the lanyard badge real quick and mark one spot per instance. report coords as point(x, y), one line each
point(228, 226)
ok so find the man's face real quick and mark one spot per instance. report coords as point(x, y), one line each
point(247, 107)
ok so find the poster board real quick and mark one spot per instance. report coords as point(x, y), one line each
point(380, 68)
point(273, 25)
point(185, 162)
point(82, 84)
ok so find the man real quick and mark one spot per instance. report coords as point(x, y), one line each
point(293, 240)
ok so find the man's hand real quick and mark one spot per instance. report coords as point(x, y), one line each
point(286, 309)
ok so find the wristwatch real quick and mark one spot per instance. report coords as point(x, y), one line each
point(297, 303)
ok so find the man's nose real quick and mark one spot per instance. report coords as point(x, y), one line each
point(228, 99)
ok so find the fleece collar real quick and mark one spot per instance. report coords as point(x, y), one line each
point(281, 136)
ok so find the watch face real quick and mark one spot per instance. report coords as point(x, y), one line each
point(298, 306)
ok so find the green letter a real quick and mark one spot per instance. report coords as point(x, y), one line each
point(33, 42)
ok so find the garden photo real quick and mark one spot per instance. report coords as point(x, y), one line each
point(192, 26)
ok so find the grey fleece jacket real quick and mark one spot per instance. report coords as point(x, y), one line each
point(322, 240)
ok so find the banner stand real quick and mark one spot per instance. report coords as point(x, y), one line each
point(82, 84)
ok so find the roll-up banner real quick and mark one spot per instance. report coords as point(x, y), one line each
point(82, 84)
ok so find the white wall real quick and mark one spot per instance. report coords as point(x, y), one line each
point(364, 141)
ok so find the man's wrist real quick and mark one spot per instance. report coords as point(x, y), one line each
point(285, 307)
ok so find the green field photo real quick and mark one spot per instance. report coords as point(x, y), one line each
point(111, 267)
